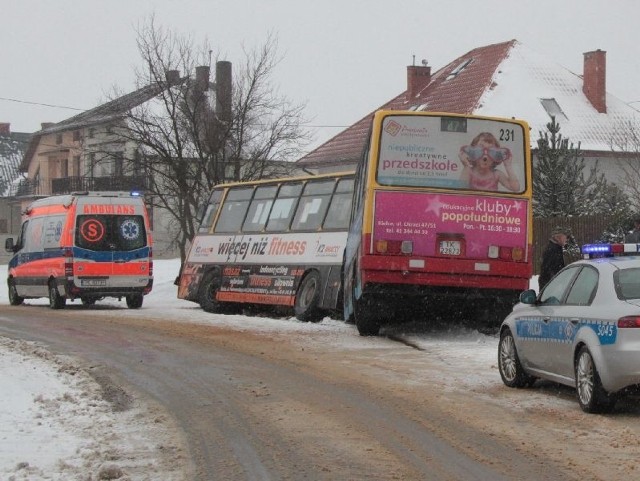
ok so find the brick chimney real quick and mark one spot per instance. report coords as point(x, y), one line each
point(594, 79)
point(202, 78)
point(418, 77)
point(5, 128)
point(172, 77)
point(223, 90)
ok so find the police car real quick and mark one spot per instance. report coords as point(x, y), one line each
point(582, 330)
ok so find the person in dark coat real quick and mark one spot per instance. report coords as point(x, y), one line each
point(553, 256)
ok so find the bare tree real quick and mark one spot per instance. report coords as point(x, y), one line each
point(626, 144)
point(195, 133)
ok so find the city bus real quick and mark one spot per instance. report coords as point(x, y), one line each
point(276, 242)
point(441, 222)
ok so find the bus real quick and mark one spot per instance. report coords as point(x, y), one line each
point(276, 242)
point(441, 222)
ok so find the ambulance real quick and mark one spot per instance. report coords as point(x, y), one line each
point(86, 246)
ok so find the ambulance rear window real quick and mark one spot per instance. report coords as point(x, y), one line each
point(110, 232)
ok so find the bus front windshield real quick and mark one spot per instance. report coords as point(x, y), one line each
point(452, 153)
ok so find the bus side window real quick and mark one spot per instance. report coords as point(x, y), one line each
point(234, 209)
point(210, 213)
point(339, 212)
point(284, 207)
point(259, 209)
point(313, 205)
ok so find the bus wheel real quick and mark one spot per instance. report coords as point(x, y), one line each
point(134, 301)
point(367, 316)
point(56, 301)
point(307, 303)
point(14, 298)
point(207, 293)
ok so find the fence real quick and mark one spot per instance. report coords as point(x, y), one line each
point(585, 230)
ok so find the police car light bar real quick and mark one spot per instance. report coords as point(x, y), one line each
point(607, 250)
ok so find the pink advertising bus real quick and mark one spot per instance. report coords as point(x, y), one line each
point(441, 221)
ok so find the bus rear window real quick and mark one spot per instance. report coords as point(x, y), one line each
point(110, 232)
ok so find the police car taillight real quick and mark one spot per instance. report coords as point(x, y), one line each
point(629, 321)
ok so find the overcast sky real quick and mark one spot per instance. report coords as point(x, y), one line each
point(344, 58)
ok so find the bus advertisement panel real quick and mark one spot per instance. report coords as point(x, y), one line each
point(262, 269)
point(278, 242)
point(442, 216)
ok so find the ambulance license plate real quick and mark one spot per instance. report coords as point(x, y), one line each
point(93, 282)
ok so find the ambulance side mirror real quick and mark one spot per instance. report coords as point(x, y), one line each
point(9, 245)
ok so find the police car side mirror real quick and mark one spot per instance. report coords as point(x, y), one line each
point(528, 297)
point(8, 245)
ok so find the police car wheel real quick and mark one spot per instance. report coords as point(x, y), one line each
point(511, 370)
point(591, 395)
point(14, 298)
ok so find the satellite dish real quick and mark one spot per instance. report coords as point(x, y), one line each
point(424, 62)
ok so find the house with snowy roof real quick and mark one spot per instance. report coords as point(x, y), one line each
point(91, 152)
point(12, 148)
point(507, 80)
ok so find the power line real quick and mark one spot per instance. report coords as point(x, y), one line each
point(82, 110)
point(40, 103)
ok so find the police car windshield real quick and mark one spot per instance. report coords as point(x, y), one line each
point(110, 232)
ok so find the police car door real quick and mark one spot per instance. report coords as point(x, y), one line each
point(543, 332)
point(572, 315)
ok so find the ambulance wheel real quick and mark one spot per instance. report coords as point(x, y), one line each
point(307, 303)
point(14, 298)
point(56, 301)
point(134, 301)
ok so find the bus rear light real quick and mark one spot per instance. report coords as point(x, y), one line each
point(381, 246)
point(505, 253)
point(394, 247)
point(517, 254)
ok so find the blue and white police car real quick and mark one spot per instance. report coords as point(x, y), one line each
point(582, 330)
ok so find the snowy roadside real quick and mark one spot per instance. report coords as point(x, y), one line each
point(55, 423)
point(63, 421)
